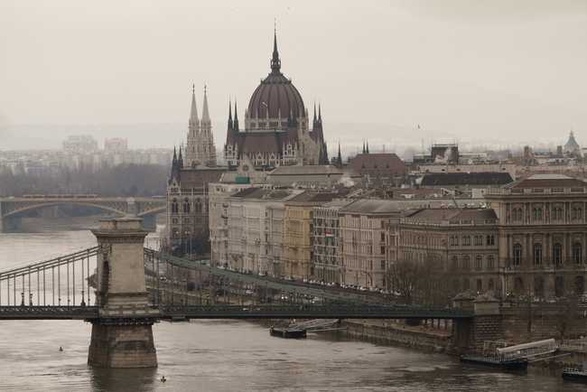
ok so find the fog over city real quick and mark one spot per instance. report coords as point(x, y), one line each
point(497, 73)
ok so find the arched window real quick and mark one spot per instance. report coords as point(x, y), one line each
point(466, 284)
point(467, 240)
point(517, 254)
point(557, 253)
point(186, 206)
point(577, 213)
point(490, 284)
point(537, 253)
point(577, 253)
point(174, 206)
point(454, 264)
point(466, 263)
point(198, 206)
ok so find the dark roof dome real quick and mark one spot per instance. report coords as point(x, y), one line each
point(276, 93)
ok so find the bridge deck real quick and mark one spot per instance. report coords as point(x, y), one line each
point(329, 311)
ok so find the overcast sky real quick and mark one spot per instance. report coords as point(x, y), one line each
point(487, 71)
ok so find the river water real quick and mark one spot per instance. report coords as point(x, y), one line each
point(223, 355)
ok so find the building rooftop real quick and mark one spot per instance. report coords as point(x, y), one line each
point(466, 179)
point(372, 206)
point(452, 216)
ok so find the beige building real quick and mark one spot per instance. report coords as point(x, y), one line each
point(542, 235)
point(458, 245)
point(255, 219)
point(363, 226)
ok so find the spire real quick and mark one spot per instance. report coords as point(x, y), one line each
point(275, 61)
point(205, 114)
point(339, 157)
point(180, 159)
point(235, 125)
point(364, 151)
point(230, 124)
point(314, 112)
point(367, 147)
point(319, 112)
point(194, 110)
point(174, 160)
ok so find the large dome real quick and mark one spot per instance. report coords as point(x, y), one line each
point(277, 94)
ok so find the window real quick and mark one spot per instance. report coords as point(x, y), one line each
point(466, 263)
point(537, 213)
point(454, 263)
point(518, 285)
point(467, 240)
point(557, 253)
point(478, 262)
point(186, 206)
point(517, 214)
point(383, 250)
point(537, 253)
point(490, 262)
point(478, 240)
point(382, 265)
point(517, 254)
point(479, 285)
point(577, 253)
point(490, 284)
point(577, 213)
point(490, 240)
point(557, 213)
point(174, 206)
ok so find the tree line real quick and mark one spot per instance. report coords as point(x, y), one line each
point(121, 180)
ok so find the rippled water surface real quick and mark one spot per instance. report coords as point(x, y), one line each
point(223, 355)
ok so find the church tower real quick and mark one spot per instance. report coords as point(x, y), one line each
point(200, 149)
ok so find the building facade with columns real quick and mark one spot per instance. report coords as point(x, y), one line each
point(542, 235)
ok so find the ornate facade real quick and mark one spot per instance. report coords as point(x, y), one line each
point(276, 128)
point(542, 235)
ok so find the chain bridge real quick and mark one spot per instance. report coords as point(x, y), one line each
point(12, 208)
point(123, 288)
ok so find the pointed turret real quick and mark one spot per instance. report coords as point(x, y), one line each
point(194, 121)
point(339, 157)
point(320, 113)
point(180, 159)
point(235, 124)
point(174, 167)
point(205, 113)
point(315, 118)
point(275, 61)
point(230, 124)
point(367, 147)
point(363, 147)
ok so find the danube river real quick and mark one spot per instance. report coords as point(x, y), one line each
point(223, 355)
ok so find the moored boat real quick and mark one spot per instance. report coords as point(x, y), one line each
point(519, 364)
point(288, 333)
point(575, 375)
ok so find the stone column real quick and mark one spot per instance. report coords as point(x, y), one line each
point(122, 336)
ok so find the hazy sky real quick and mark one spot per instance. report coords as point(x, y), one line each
point(494, 71)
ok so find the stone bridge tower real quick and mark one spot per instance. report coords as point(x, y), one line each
point(122, 337)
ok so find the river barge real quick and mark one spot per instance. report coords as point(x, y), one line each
point(288, 333)
point(519, 364)
point(575, 375)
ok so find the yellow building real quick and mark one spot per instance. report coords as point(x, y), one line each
point(297, 233)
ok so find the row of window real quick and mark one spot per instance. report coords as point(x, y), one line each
point(557, 253)
point(464, 262)
point(186, 206)
point(557, 213)
point(477, 240)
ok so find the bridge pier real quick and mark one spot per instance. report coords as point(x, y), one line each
point(122, 336)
